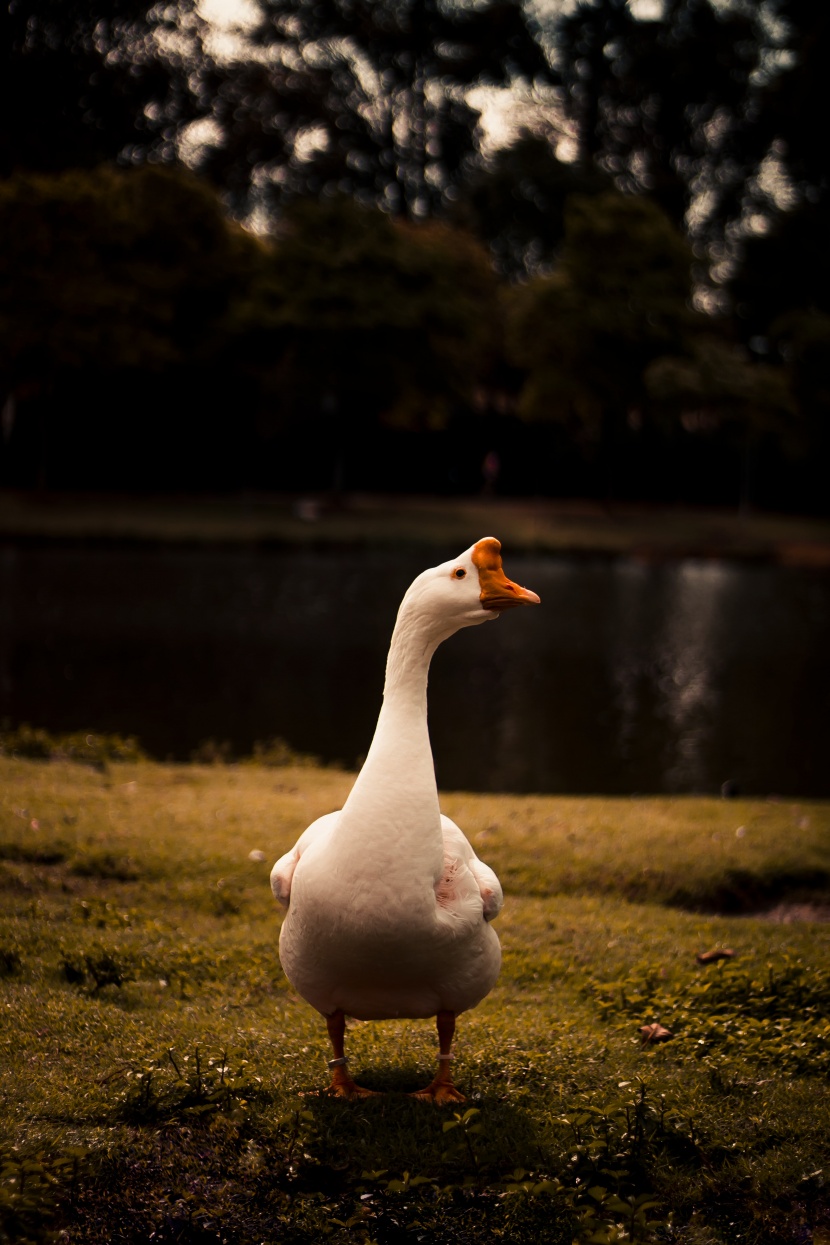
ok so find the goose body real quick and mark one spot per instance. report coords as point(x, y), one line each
point(416, 944)
point(389, 907)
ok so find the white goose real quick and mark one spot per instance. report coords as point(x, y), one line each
point(388, 904)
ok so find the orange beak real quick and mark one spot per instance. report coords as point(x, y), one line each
point(497, 591)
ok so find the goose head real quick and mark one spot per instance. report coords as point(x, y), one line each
point(463, 592)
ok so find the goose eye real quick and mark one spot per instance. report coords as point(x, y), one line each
point(459, 574)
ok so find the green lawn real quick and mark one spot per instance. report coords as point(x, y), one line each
point(159, 1073)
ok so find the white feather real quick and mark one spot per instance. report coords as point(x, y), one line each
point(388, 904)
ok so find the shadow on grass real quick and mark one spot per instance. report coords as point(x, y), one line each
point(742, 892)
point(383, 1165)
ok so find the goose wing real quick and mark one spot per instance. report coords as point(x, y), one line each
point(283, 870)
point(460, 857)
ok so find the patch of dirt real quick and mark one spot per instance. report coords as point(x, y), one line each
point(788, 912)
point(740, 892)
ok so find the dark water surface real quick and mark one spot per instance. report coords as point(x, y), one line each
point(628, 678)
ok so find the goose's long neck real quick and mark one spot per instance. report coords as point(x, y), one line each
point(394, 802)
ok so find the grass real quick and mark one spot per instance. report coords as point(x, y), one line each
point(540, 525)
point(158, 1071)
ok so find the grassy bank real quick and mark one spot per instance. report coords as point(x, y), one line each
point(156, 1060)
point(356, 520)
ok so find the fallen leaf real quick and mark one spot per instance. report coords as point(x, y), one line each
point(655, 1033)
point(709, 957)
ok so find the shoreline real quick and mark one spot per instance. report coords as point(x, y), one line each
point(569, 527)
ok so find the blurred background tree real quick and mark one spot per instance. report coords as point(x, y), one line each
point(369, 98)
point(516, 199)
point(377, 334)
point(147, 341)
point(116, 298)
point(663, 103)
point(84, 81)
point(651, 231)
point(610, 345)
point(620, 294)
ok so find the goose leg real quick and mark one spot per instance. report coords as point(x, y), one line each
point(441, 1089)
point(342, 1085)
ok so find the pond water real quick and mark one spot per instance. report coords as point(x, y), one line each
point(629, 678)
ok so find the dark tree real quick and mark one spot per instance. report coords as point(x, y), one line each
point(366, 98)
point(780, 286)
point(368, 336)
point(783, 268)
point(124, 296)
point(516, 203)
point(374, 322)
point(781, 294)
point(665, 105)
point(146, 341)
point(616, 301)
point(793, 98)
point(90, 80)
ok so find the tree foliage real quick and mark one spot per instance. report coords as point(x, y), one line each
point(91, 80)
point(689, 105)
point(713, 385)
point(219, 344)
point(117, 295)
point(365, 97)
point(112, 270)
point(618, 298)
point(347, 125)
point(386, 321)
point(792, 100)
point(516, 203)
point(611, 346)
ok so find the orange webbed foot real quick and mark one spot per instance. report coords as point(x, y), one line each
point(349, 1092)
point(342, 1086)
point(441, 1090)
point(440, 1093)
